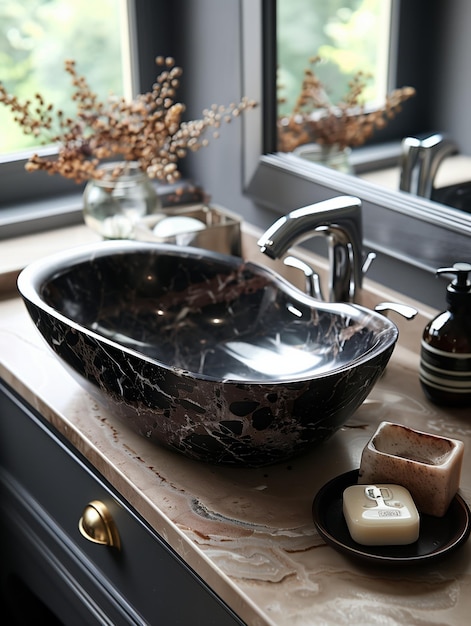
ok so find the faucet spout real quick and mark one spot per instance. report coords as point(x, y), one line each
point(339, 220)
point(420, 161)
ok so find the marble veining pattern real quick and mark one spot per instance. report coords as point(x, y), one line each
point(219, 518)
point(249, 532)
point(206, 354)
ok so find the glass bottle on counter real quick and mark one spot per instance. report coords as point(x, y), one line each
point(445, 360)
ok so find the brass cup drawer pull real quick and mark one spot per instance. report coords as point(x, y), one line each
point(97, 525)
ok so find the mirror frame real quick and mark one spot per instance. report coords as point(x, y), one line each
point(413, 230)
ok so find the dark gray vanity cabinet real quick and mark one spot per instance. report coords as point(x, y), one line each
point(50, 573)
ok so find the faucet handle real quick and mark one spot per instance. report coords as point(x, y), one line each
point(367, 261)
point(406, 311)
point(313, 282)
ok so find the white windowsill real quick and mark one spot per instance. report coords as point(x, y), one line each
point(18, 252)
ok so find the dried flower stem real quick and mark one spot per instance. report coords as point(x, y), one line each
point(315, 119)
point(148, 129)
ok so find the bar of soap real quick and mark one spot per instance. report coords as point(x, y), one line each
point(429, 466)
point(177, 225)
point(380, 515)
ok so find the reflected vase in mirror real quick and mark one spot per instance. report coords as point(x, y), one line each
point(329, 155)
point(115, 203)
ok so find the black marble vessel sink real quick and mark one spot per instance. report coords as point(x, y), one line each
point(219, 359)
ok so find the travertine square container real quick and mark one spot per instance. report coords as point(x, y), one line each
point(427, 465)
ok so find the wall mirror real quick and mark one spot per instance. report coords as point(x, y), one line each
point(416, 230)
point(387, 41)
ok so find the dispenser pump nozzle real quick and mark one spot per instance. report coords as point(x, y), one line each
point(461, 271)
point(460, 287)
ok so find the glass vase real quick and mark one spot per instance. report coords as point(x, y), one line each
point(112, 206)
point(329, 155)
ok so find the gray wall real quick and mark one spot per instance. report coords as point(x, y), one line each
point(452, 77)
point(211, 61)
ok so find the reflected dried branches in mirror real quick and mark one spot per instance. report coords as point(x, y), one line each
point(345, 124)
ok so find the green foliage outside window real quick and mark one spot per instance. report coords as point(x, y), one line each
point(37, 36)
point(349, 35)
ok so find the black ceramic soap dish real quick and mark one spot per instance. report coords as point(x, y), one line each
point(438, 536)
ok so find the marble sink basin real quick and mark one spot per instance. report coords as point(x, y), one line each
point(219, 359)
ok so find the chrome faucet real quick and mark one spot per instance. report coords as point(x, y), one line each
point(338, 219)
point(420, 161)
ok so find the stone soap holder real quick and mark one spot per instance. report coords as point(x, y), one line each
point(195, 225)
point(427, 465)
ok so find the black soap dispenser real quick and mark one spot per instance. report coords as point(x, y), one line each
point(445, 358)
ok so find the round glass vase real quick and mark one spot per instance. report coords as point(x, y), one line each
point(113, 205)
point(329, 155)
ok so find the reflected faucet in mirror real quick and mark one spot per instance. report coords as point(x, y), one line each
point(420, 160)
point(339, 220)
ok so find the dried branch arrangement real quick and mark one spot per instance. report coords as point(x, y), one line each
point(346, 124)
point(148, 129)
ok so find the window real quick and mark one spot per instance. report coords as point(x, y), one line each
point(405, 44)
point(348, 35)
point(37, 36)
point(143, 30)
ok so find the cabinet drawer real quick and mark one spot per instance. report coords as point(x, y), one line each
point(57, 484)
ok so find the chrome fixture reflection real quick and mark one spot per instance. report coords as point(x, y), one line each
point(339, 220)
point(420, 160)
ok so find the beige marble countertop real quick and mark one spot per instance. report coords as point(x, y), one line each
point(249, 532)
